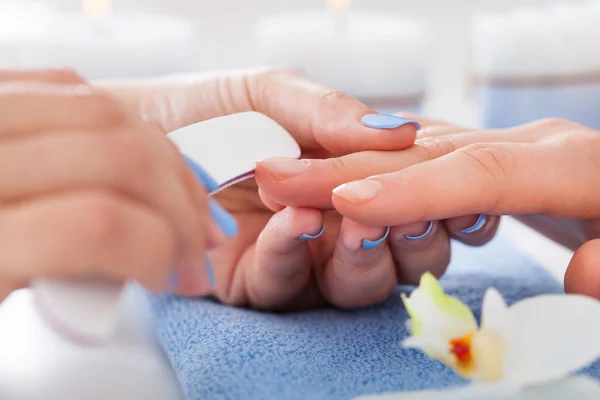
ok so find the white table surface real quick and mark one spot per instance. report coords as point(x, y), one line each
point(35, 364)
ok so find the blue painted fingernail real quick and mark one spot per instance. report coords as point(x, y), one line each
point(226, 222)
point(210, 272)
point(387, 121)
point(209, 182)
point(477, 225)
point(370, 244)
point(308, 237)
point(427, 232)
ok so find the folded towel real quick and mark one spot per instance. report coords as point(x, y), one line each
point(221, 352)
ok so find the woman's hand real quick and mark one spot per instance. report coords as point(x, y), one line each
point(548, 167)
point(89, 190)
point(275, 262)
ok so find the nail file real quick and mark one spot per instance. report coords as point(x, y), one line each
point(227, 148)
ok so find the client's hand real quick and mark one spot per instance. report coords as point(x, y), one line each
point(274, 262)
point(548, 167)
point(87, 189)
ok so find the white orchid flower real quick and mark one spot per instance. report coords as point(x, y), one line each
point(526, 351)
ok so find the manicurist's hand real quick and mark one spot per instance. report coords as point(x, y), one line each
point(548, 167)
point(87, 189)
point(284, 257)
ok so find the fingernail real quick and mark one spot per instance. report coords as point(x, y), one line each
point(359, 192)
point(371, 244)
point(309, 237)
point(209, 182)
point(210, 272)
point(427, 232)
point(283, 168)
point(226, 222)
point(387, 121)
point(477, 225)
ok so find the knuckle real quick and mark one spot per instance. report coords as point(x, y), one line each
point(430, 148)
point(494, 161)
point(557, 125)
point(339, 166)
point(109, 110)
point(129, 155)
point(327, 97)
point(104, 218)
point(323, 124)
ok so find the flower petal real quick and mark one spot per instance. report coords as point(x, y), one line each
point(432, 312)
point(551, 336)
point(580, 388)
point(494, 313)
point(431, 346)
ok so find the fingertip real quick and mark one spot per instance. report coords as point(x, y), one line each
point(348, 209)
point(384, 135)
point(269, 202)
point(311, 236)
point(360, 212)
point(583, 276)
point(308, 188)
point(275, 190)
point(291, 226)
point(473, 230)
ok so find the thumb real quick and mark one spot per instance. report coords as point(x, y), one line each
point(583, 274)
point(321, 118)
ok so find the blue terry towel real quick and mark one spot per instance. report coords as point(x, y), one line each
point(220, 352)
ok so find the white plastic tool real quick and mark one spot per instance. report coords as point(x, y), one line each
point(227, 148)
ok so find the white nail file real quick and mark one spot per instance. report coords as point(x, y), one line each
point(227, 148)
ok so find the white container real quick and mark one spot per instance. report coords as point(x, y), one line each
point(538, 63)
point(376, 57)
point(102, 45)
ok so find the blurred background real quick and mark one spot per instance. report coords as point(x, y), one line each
point(476, 62)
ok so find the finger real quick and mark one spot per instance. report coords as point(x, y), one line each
point(497, 179)
point(432, 131)
point(117, 161)
point(269, 202)
point(322, 118)
point(426, 122)
point(583, 275)
point(281, 275)
point(419, 248)
point(41, 75)
point(473, 230)
point(86, 234)
point(285, 180)
point(56, 106)
point(361, 271)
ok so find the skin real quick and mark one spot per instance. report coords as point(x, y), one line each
point(102, 193)
point(545, 172)
point(89, 189)
point(267, 266)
